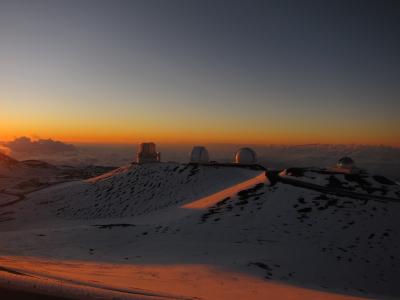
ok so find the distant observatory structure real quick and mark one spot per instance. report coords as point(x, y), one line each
point(199, 155)
point(246, 156)
point(147, 153)
point(345, 163)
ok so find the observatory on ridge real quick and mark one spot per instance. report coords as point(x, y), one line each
point(199, 155)
point(246, 156)
point(147, 153)
point(345, 163)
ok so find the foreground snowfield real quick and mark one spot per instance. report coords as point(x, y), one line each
point(203, 232)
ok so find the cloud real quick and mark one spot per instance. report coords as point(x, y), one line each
point(375, 159)
point(38, 147)
point(5, 150)
point(380, 160)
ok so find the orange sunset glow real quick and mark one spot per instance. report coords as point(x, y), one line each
point(199, 150)
point(120, 134)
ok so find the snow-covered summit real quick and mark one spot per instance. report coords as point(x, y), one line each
point(303, 226)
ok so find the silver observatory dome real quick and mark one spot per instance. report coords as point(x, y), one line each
point(199, 154)
point(246, 156)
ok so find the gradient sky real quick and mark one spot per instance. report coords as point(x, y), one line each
point(201, 71)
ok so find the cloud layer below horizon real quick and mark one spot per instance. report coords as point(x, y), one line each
point(376, 159)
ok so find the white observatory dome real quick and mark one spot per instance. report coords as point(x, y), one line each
point(345, 162)
point(199, 154)
point(246, 156)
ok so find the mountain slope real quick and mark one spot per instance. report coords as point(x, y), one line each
point(143, 215)
point(6, 161)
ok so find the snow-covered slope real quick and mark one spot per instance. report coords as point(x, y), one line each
point(142, 215)
point(19, 178)
point(359, 182)
point(133, 190)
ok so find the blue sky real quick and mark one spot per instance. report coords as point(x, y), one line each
point(310, 71)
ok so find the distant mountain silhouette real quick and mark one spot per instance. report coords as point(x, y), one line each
point(7, 159)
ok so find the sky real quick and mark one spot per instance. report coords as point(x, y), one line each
point(258, 72)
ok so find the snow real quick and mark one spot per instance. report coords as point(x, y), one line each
point(203, 231)
point(90, 280)
point(360, 182)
